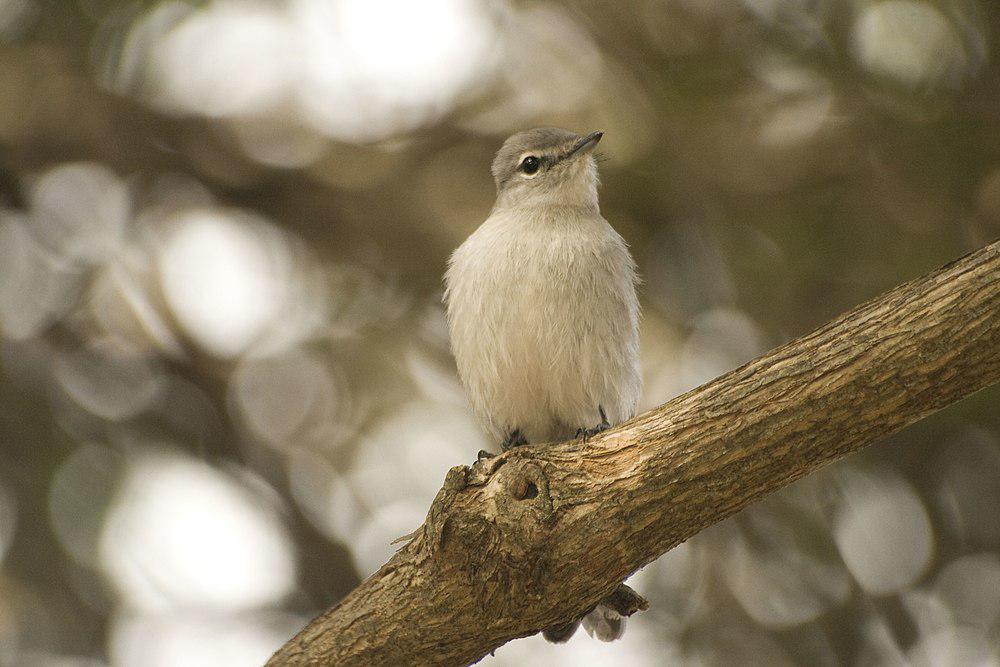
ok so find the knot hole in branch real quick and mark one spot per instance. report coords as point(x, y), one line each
point(522, 495)
point(525, 489)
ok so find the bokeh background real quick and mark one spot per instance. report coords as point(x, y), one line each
point(225, 383)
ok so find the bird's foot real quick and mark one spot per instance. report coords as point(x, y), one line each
point(587, 433)
point(514, 439)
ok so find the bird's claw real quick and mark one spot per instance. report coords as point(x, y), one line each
point(514, 439)
point(587, 433)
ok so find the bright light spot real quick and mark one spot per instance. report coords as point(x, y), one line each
point(681, 577)
point(560, 72)
point(927, 612)
point(324, 497)
point(720, 341)
point(108, 379)
point(372, 546)
point(953, 647)
point(436, 380)
point(424, 439)
point(356, 70)
point(121, 300)
point(782, 586)
point(378, 67)
point(909, 41)
point(227, 59)
point(199, 639)
point(284, 397)
point(35, 289)
point(183, 535)
point(797, 121)
point(970, 586)
point(882, 531)
point(81, 211)
point(788, 78)
point(804, 105)
point(225, 277)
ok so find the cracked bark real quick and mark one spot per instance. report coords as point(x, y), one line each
point(541, 533)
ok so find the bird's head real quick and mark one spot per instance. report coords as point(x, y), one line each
point(547, 166)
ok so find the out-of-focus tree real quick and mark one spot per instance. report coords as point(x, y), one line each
point(222, 230)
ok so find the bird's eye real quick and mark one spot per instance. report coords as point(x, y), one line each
point(530, 165)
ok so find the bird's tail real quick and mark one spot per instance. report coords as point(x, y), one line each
point(602, 622)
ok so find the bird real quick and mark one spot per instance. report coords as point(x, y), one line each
point(542, 310)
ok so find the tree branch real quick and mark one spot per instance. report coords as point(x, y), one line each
point(538, 535)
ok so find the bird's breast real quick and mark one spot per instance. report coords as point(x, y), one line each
point(529, 293)
point(543, 324)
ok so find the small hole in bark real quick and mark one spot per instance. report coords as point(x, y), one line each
point(523, 489)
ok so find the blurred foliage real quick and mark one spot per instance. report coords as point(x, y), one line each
point(225, 384)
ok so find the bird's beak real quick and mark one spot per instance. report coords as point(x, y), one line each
point(585, 145)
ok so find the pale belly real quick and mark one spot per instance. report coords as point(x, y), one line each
point(545, 345)
point(556, 377)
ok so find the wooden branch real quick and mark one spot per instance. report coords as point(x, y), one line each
point(540, 534)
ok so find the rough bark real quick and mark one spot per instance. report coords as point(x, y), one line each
point(540, 534)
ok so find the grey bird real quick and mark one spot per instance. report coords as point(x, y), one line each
point(542, 309)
